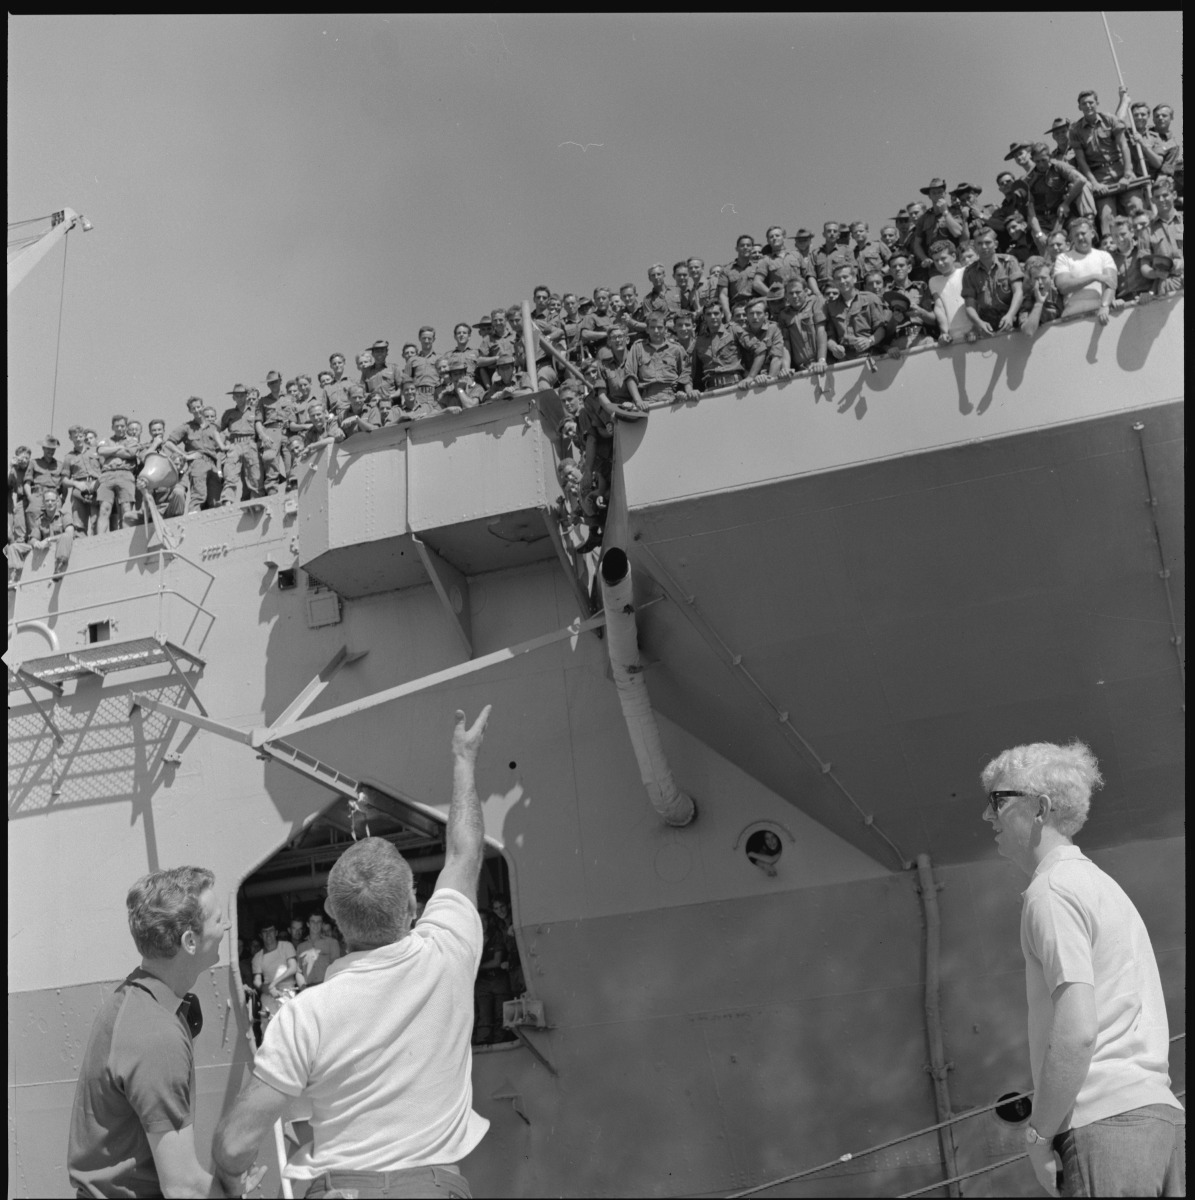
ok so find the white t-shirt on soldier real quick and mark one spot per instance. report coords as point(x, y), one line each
point(1088, 297)
point(949, 288)
point(380, 1052)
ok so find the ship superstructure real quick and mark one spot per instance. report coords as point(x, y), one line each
point(848, 595)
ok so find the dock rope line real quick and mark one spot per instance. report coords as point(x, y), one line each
point(688, 605)
point(940, 1183)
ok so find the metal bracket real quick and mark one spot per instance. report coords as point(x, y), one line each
point(452, 588)
point(303, 701)
point(180, 673)
point(24, 679)
point(140, 700)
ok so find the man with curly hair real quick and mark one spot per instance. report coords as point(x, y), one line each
point(1098, 1035)
point(133, 1122)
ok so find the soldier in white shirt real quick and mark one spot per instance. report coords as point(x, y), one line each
point(1084, 275)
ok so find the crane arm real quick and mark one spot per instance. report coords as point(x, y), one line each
point(25, 253)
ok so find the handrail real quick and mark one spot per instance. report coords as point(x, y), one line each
point(158, 553)
point(62, 612)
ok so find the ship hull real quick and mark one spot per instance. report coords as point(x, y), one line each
point(897, 618)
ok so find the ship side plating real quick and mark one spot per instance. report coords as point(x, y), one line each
point(849, 596)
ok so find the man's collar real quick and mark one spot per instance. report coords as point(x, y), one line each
point(161, 991)
point(1055, 856)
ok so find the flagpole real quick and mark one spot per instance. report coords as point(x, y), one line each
point(1111, 47)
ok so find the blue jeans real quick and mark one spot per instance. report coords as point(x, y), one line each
point(1142, 1152)
point(430, 1182)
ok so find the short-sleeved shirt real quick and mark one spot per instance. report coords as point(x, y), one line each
point(138, 1077)
point(864, 315)
point(82, 467)
point(316, 955)
point(44, 475)
point(666, 302)
point(385, 378)
point(1099, 142)
point(1166, 236)
point(949, 289)
point(336, 395)
point(788, 264)
point(1089, 297)
point(648, 364)
point(914, 293)
point(772, 341)
point(202, 439)
point(276, 414)
point(269, 964)
point(1049, 183)
point(825, 262)
point(239, 423)
point(594, 322)
point(990, 290)
point(867, 257)
point(1078, 926)
point(614, 377)
point(931, 227)
point(118, 464)
point(1130, 281)
point(719, 354)
point(745, 282)
point(380, 1050)
point(798, 327)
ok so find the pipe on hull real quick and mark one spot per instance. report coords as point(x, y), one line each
point(622, 638)
point(938, 1066)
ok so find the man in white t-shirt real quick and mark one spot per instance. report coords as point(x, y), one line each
point(1084, 275)
point(379, 1054)
point(275, 971)
point(1098, 1034)
point(946, 287)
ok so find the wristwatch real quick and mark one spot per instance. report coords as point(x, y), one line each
point(1033, 1138)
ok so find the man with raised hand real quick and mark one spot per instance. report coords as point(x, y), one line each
point(1103, 1112)
point(380, 1051)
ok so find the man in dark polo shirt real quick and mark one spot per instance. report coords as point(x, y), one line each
point(132, 1125)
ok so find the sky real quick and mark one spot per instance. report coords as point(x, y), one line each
point(267, 190)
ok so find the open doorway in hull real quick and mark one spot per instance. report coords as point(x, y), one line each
point(291, 886)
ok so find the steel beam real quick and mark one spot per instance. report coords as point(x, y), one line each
point(445, 577)
point(140, 700)
point(303, 701)
point(427, 681)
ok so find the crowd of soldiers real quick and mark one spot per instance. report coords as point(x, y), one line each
point(1087, 221)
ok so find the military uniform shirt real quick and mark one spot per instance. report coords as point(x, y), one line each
point(83, 467)
point(798, 326)
point(239, 423)
point(1099, 142)
point(385, 377)
point(648, 364)
point(744, 283)
point(44, 475)
point(990, 291)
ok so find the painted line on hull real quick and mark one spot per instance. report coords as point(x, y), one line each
point(260, 736)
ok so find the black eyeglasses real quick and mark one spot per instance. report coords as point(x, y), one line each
point(997, 799)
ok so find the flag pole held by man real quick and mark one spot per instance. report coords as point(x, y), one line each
point(379, 1054)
